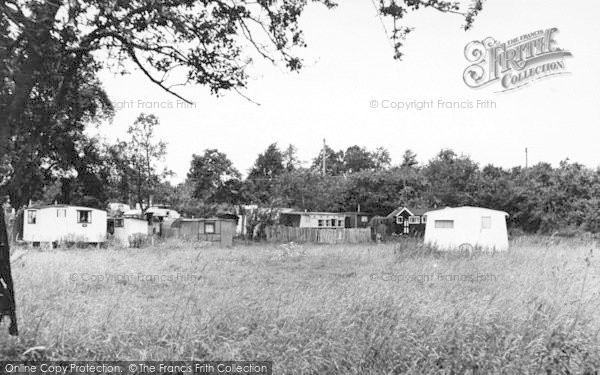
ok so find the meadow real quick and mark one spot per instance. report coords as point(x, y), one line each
point(343, 309)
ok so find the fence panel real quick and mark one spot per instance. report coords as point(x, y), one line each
point(281, 233)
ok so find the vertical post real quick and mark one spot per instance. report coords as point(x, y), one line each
point(526, 158)
point(7, 302)
point(324, 155)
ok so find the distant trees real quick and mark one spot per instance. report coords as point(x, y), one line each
point(213, 177)
point(354, 159)
point(145, 157)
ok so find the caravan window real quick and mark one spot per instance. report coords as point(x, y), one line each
point(118, 223)
point(31, 216)
point(424, 219)
point(320, 223)
point(486, 222)
point(444, 224)
point(84, 216)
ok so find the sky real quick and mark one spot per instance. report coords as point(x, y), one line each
point(350, 79)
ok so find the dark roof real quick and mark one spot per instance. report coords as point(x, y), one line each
point(312, 213)
point(414, 211)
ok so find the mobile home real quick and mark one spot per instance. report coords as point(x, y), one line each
point(467, 228)
point(64, 223)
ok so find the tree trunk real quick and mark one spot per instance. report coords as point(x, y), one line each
point(6, 286)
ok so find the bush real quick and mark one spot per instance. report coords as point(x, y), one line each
point(138, 240)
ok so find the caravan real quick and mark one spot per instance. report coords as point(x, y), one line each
point(466, 228)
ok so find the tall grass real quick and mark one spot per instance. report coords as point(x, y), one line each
point(357, 309)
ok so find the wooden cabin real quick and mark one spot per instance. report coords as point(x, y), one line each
point(409, 221)
point(300, 219)
point(216, 230)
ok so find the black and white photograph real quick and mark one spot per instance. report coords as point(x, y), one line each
point(299, 187)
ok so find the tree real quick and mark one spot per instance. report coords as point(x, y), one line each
point(144, 156)
point(290, 158)
point(452, 179)
point(334, 162)
point(357, 159)
point(409, 159)
point(213, 177)
point(381, 159)
point(268, 164)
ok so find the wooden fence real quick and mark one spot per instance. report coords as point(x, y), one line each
point(315, 235)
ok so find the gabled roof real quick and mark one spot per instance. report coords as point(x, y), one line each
point(411, 211)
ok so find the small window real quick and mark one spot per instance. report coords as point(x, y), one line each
point(444, 224)
point(84, 216)
point(399, 220)
point(424, 219)
point(31, 216)
point(486, 222)
point(414, 220)
point(61, 212)
point(320, 223)
point(333, 221)
point(364, 219)
point(118, 223)
point(209, 228)
point(340, 224)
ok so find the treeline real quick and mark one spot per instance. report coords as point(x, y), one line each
point(92, 172)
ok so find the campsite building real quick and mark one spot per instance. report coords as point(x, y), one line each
point(122, 228)
point(63, 223)
point(216, 230)
point(357, 219)
point(406, 220)
point(467, 228)
point(303, 219)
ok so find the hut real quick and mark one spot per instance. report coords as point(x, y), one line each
point(64, 223)
point(216, 230)
point(467, 228)
point(301, 219)
point(358, 219)
point(122, 228)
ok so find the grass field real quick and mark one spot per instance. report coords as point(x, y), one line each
point(354, 309)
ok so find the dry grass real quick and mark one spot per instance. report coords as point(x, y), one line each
point(327, 309)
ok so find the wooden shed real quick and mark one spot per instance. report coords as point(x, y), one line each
point(217, 230)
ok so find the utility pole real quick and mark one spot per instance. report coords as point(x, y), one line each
point(526, 158)
point(324, 154)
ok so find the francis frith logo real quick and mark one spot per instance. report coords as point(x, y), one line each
point(515, 63)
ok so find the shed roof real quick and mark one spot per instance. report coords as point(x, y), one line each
point(313, 213)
